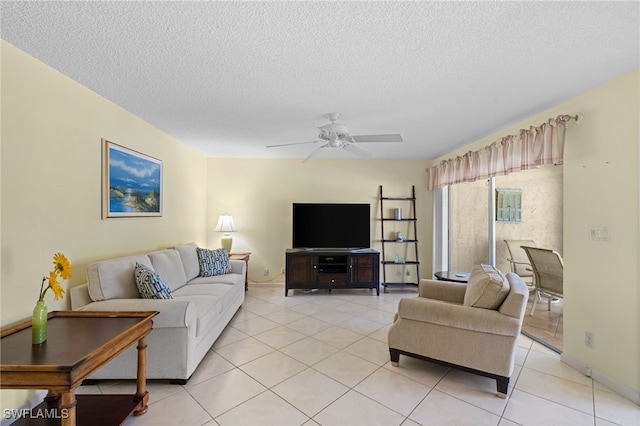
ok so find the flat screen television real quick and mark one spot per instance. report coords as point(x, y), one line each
point(324, 225)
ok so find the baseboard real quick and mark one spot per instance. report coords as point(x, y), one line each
point(618, 388)
point(26, 406)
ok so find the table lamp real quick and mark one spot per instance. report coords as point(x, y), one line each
point(226, 225)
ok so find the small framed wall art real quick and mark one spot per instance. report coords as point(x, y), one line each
point(131, 182)
point(509, 205)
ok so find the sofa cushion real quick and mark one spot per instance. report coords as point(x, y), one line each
point(114, 279)
point(487, 288)
point(225, 293)
point(150, 285)
point(168, 265)
point(189, 258)
point(213, 262)
point(230, 279)
point(208, 309)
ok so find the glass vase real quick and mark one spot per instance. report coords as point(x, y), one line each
point(39, 323)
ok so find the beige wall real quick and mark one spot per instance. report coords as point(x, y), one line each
point(51, 185)
point(541, 217)
point(50, 176)
point(259, 194)
point(601, 188)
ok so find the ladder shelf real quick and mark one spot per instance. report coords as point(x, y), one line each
point(407, 246)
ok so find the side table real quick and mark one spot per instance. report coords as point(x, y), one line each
point(78, 344)
point(454, 276)
point(245, 257)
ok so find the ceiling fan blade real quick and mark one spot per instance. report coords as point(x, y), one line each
point(358, 151)
point(378, 138)
point(288, 144)
point(313, 154)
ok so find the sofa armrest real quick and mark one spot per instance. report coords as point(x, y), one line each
point(173, 312)
point(516, 301)
point(442, 290)
point(238, 267)
point(458, 316)
point(79, 296)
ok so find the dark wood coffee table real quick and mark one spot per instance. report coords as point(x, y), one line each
point(78, 344)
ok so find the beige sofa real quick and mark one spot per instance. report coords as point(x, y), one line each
point(187, 325)
point(472, 327)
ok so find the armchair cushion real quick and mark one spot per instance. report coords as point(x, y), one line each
point(487, 287)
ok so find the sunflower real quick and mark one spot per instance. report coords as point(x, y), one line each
point(54, 285)
point(62, 265)
point(58, 291)
point(53, 279)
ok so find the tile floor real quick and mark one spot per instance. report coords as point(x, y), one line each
point(543, 324)
point(321, 358)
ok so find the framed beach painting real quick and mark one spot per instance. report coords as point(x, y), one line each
point(131, 183)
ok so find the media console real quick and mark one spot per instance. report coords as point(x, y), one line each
point(309, 269)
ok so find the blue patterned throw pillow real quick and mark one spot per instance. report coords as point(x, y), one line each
point(150, 285)
point(213, 262)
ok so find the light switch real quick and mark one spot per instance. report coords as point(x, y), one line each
point(599, 233)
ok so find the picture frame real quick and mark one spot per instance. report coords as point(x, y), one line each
point(131, 183)
point(509, 205)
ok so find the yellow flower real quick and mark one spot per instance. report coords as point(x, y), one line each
point(58, 292)
point(62, 265)
point(53, 279)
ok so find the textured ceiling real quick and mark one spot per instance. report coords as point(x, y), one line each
point(229, 78)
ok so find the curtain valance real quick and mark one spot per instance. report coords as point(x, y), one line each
point(528, 149)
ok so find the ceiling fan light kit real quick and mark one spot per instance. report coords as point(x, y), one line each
point(336, 135)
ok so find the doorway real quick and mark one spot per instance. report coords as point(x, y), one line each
point(539, 219)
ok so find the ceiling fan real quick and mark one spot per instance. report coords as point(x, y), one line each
point(336, 135)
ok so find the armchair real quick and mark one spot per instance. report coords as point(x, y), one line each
point(472, 327)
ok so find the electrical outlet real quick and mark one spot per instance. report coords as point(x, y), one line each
point(266, 272)
point(408, 272)
point(588, 339)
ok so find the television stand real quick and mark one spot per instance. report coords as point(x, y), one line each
point(332, 268)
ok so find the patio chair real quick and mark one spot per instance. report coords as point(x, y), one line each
point(519, 261)
point(548, 272)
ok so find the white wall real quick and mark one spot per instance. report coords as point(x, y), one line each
point(51, 186)
point(601, 188)
point(259, 194)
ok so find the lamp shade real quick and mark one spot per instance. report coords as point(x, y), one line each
point(226, 223)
